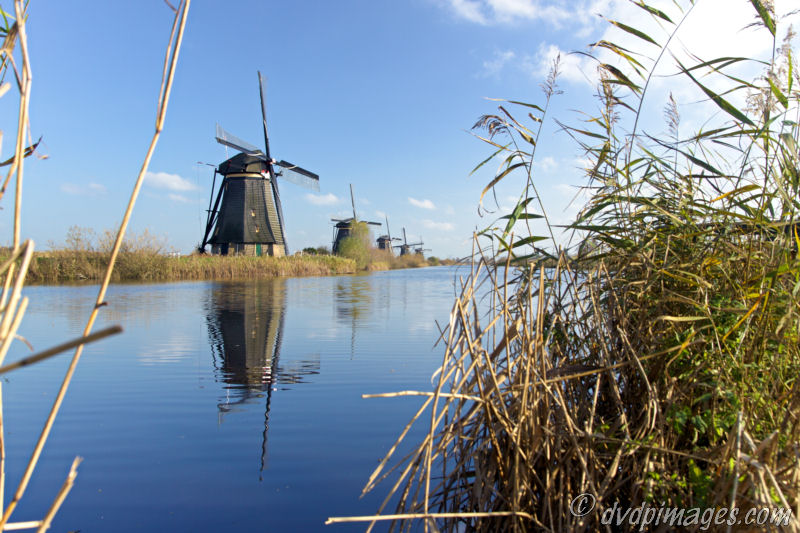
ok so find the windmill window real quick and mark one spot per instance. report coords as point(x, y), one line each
point(256, 229)
point(252, 213)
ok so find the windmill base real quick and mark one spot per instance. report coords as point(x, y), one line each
point(251, 250)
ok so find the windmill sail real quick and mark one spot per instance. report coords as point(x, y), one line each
point(232, 141)
point(298, 176)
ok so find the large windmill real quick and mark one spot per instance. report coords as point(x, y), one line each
point(247, 217)
point(343, 228)
point(407, 247)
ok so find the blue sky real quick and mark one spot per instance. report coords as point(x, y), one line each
point(377, 94)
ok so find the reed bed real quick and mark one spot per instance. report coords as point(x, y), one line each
point(68, 266)
point(655, 363)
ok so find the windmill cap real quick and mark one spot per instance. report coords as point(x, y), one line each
point(242, 163)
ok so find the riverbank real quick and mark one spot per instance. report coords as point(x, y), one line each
point(74, 266)
point(68, 266)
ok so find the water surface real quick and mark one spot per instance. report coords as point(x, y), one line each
point(224, 406)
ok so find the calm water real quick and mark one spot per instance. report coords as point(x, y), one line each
point(224, 406)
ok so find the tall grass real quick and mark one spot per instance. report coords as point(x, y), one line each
point(77, 266)
point(660, 364)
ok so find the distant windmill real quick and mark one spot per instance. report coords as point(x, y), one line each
point(385, 241)
point(420, 250)
point(250, 220)
point(343, 228)
point(406, 248)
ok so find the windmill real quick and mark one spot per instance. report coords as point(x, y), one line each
point(343, 228)
point(406, 248)
point(385, 241)
point(247, 217)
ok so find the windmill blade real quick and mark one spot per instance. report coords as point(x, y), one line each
point(263, 95)
point(298, 176)
point(223, 137)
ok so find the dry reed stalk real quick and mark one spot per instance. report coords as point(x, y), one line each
point(24, 99)
point(12, 308)
point(529, 424)
point(60, 497)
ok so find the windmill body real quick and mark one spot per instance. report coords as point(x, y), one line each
point(247, 216)
point(385, 241)
point(343, 228)
point(249, 221)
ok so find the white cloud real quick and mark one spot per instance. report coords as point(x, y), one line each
point(91, 189)
point(490, 12)
point(546, 164)
point(424, 204)
point(323, 199)
point(469, 10)
point(178, 198)
point(439, 226)
point(165, 180)
point(380, 214)
point(493, 66)
point(571, 67)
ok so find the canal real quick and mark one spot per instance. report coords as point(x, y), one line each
point(224, 406)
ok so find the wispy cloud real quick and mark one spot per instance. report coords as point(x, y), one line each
point(179, 198)
point(165, 180)
point(424, 203)
point(546, 164)
point(92, 189)
point(572, 68)
point(492, 67)
point(323, 199)
point(380, 214)
point(439, 226)
point(470, 10)
point(488, 12)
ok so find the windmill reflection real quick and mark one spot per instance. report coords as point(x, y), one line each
point(352, 304)
point(245, 325)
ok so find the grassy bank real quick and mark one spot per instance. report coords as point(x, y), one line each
point(70, 266)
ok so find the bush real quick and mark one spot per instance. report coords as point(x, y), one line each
point(358, 245)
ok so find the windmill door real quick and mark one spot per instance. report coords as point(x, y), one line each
point(258, 249)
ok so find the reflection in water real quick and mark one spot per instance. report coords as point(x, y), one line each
point(245, 327)
point(352, 299)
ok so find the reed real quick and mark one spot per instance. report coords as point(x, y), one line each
point(69, 266)
point(15, 265)
point(654, 363)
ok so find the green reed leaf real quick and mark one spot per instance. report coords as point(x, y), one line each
point(653, 11)
point(778, 94)
point(763, 12)
point(502, 148)
point(633, 31)
point(720, 101)
point(499, 177)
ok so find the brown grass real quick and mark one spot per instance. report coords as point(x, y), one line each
point(68, 266)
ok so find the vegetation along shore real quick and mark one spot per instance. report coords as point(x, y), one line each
point(84, 257)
